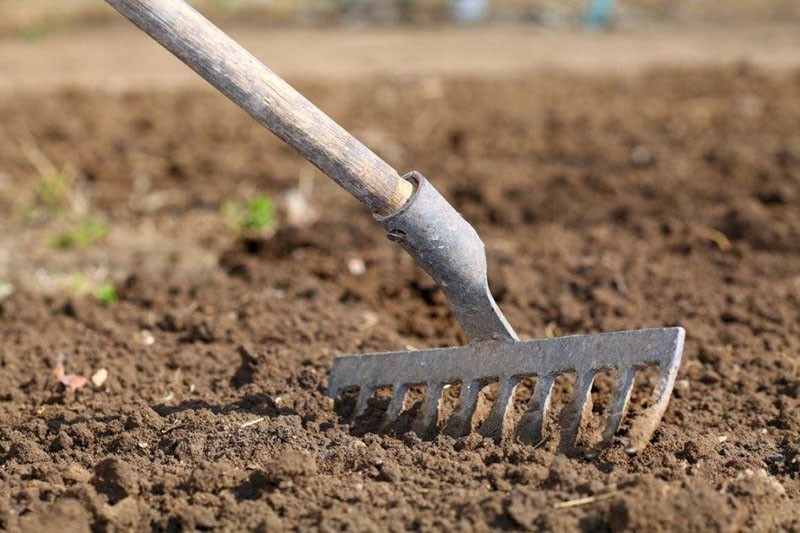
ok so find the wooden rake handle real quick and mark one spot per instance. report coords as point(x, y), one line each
point(270, 100)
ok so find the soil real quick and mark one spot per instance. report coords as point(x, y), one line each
point(667, 198)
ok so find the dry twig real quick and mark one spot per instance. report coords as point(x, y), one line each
point(585, 501)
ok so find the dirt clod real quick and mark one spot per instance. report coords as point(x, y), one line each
point(66, 515)
point(116, 479)
point(291, 466)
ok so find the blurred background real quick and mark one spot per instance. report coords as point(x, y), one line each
point(51, 47)
point(37, 17)
point(86, 43)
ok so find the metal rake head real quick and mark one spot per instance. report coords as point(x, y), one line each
point(450, 250)
point(508, 362)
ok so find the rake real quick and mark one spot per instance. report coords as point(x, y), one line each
point(421, 220)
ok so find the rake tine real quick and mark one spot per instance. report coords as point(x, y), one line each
point(493, 425)
point(530, 428)
point(618, 407)
point(460, 422)
point(646, 423)
point(428, 416)
point(397, 402)
point(364, 395)
point(574, 412)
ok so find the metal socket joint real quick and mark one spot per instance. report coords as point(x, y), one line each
point(450, 250)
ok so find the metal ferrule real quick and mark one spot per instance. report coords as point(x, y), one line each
point(450, 250)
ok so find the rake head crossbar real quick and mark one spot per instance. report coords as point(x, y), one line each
point(508, 362)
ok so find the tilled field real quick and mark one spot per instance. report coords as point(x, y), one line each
point(669, 198)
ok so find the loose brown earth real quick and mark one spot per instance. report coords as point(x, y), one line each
point(668, 198)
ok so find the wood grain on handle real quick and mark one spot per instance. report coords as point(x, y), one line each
point(270, 100)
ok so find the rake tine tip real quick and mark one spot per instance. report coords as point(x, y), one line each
point(645, 425)
point(618, 407)
point(364, 395)
point(428, 416)
point(396, 403)
point(460, 423)
point(530, 428)
point(493, 425)
point(575, 411)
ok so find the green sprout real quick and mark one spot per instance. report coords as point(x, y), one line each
point(257, 215)
point(106, 293)
point(54, 189)
point(54, 196)
point(83, 234)
point(79, 285)
point(260, 214)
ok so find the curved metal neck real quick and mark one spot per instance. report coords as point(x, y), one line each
point(450, 250)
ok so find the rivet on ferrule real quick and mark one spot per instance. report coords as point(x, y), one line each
point(396, 235)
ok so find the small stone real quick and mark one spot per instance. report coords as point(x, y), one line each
point(356, 266)
point(369, 319)
point(147, 338)
point(641, 156)
point(99, 377)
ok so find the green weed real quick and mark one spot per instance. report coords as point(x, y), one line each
point(80, 285)
point(55, 189)
point(259, 214)
point(106, 293)
point(55, 195)
point(82, 234)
